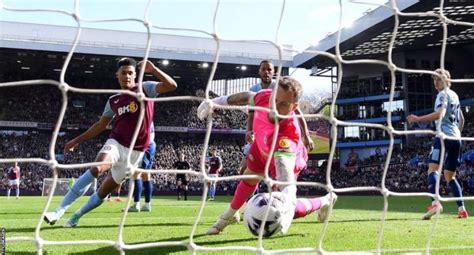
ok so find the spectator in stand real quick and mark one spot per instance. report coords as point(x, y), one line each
point(352, 161)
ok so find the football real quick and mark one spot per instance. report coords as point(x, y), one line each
point(255, 212)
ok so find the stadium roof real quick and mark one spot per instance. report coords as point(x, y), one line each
point(124, 43)
point(369, 36)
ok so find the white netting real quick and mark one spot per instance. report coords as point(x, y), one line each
point(61, 189)
point(337, 57)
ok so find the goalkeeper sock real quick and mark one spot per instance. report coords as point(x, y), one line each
point(457, 192)
point(243, 191)
point(79, 188)
point(137, 191)
point(17, 192)
point(305, 206)
point(432, 177)
point(148, 187)
point(93, 202)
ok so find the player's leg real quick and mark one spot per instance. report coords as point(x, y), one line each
point(453, 160)
point(185, 190)
point(306, 206)
point(17, 189)
point(244, 190)
point(148, 191)
point(80, 187)
point(112, 181)
point(433, 177)
point(117, 192)
point(137, 193)
point(94, 201)
point(210, 191)
point(178, 188)
point(9, 188)
point(147, 163)
point(285, 164)
point(212, 188)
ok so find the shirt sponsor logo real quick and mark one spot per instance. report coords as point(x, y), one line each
point(284, 143)
point(131, 107)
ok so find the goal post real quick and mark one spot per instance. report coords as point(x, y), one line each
point(64, 184)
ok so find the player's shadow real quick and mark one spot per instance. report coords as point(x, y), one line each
point(174, 249)
point(126, 226)
point(376, 203)
point(20, 213)
point(158, 250)
point(234, 241)
point(26, 253)
point(155, 250)
point(355, 220)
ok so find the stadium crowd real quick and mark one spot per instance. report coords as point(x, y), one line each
point(404, 174)
point(83, 109)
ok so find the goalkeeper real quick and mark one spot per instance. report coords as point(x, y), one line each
point(288, 159)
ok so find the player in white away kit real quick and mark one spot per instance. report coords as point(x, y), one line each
point(288, 159)
point(13, 174)
point(447, 107)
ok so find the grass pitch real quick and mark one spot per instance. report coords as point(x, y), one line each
point(353, 226)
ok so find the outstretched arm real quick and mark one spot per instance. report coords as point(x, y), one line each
point(241, 98)
point(249, 133)
point(308, 142)
point(428, 117)
point(93, 131)
point(167, 83)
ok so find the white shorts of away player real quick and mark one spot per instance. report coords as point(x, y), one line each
point(15, 182)
point(213, 176)
point(118, 155)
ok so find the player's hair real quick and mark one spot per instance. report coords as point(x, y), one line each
point(126, 62)
point(265, 61)
point(289, 84)
point(443, 72)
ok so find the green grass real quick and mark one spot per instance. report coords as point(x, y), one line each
point(321, 145)
point(353, 226)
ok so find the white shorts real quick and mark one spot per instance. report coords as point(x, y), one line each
point(118, 155)
point(15, 182)
point(213, 176)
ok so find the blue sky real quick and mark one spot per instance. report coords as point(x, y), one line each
point(304, 23)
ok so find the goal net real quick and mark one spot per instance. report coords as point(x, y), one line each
point(438, 16)
point(62, 186)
